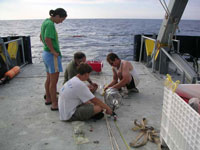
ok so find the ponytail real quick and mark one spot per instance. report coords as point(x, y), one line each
point(59, 11)
point(51, 13)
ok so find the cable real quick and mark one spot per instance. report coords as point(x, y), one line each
point(112, 137)
point(175, 21)
point(127, 146)
point(165, 7)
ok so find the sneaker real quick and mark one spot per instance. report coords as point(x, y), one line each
point(135, 90)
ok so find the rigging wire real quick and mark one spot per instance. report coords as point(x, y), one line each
point(165, 7)
point(175, 21)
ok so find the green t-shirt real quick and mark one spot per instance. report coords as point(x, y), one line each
point(48, 30)
point(70, 71)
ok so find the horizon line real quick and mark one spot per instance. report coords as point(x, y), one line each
point(96, 18)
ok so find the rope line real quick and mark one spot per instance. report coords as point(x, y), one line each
point(111, 135)
point(127, 146)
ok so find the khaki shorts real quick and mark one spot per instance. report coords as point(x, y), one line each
point(83, 112)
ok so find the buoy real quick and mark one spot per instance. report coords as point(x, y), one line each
point(78, 36)
point(12, 72)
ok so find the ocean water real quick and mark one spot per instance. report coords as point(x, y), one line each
point(95, 37)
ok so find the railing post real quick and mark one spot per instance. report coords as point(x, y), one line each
point(23, 56)
point(141, 48)
point(183, 77)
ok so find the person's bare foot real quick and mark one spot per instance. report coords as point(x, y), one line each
point(54, 105)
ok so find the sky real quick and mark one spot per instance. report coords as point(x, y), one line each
point(139, 9)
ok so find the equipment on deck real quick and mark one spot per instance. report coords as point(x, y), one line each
point(161, 52)
point(113, 98)
point(96, 65)
point(12, 72)
point(147, 133)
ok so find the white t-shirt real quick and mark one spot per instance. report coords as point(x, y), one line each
point(73, 93)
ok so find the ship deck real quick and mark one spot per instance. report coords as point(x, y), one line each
point(27, 123)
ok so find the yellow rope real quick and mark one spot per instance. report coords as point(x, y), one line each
point(147, 133)
point(169, 83)
point(127, 146)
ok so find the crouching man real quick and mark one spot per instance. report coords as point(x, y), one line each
point(76, 102)
point(124, 74)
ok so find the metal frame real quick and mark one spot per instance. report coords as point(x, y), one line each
point(5, 51)
point(141, 47)
point(165, 52)
point(178, 45)
point(177, 66)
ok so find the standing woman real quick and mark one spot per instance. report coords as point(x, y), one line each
point(52, 55)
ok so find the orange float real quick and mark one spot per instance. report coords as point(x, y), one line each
point(12, 72)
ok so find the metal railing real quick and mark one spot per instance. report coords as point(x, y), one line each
point(7, 56)
point(165, 52)
point(173, 61)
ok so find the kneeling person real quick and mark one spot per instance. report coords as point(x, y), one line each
point(76, 101)
point(124, 74)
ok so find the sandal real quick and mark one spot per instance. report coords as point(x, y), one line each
point(54, 109)
point(48, 103)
